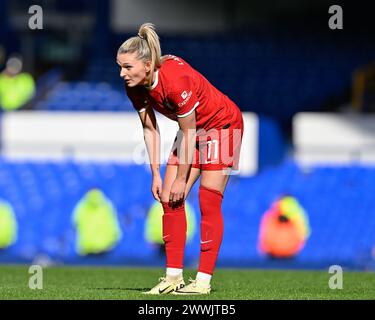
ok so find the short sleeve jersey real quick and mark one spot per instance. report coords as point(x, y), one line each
point(179, 90)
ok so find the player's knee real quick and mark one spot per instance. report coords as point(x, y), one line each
point(209, 197)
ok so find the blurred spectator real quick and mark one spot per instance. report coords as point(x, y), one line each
point(95, 218)
point(8, 225)
point(16, 87)
point(284, 229)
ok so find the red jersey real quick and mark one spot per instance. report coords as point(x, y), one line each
point(179, 90)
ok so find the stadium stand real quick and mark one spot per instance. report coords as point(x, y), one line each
point(85, 96)
point(338, 201)
point(280, 72)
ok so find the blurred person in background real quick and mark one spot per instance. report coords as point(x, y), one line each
point(16, 87)
point(211, 128)
point(95, 218)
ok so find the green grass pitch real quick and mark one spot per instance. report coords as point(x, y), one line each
point(128, 283)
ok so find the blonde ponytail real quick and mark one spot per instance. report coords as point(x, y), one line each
point(147, 44)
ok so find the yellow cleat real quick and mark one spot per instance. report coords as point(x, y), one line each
point(194, 287)
point(167, 285)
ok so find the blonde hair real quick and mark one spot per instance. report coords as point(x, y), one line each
point(147, 45)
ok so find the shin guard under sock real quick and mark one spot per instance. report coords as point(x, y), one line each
point(212, 227)
point(174, 234)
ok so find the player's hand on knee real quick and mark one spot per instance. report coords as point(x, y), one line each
point(177, 194)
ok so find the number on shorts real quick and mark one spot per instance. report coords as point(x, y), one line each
point(212, 150)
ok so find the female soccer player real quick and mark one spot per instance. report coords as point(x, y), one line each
point(207, 145)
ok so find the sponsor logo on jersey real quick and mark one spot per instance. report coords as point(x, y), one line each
point(186, 96)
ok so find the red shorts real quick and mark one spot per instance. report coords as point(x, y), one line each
point(215, 149)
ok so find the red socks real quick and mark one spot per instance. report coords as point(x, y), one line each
point(212, 227)
point(174, 234)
